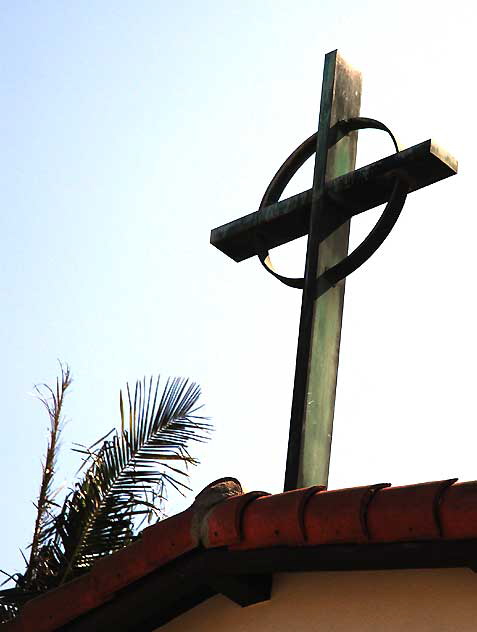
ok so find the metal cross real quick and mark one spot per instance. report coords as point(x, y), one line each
point(324, 213)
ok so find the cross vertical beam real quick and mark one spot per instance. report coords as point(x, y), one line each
point(324, 212)
point(316, 370)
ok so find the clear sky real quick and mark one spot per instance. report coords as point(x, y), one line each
point(129, 130)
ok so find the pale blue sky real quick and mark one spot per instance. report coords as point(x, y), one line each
point(129, 130)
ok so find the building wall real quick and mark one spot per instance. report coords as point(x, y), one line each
point(443, 600)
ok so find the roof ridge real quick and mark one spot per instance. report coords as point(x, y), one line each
point(222, 515)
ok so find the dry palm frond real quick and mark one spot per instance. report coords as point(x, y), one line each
point(124, 480)
point(53, 400)
point(38, 574)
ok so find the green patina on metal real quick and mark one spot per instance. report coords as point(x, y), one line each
point(324, 213)
point(344, 97)
point(357, 191)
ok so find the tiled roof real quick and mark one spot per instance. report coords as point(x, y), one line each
point(224, 517)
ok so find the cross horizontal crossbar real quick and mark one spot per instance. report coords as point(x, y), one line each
point(348, 195)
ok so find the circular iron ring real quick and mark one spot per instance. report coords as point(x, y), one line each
point(375, 238)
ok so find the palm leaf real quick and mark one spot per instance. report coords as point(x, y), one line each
point(124, 480)
point(126, 477)
point(38, 572)
point(53, 400)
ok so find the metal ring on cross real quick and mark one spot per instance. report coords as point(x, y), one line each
point(376, 237)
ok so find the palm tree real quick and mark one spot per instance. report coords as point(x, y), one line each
point(124, 481)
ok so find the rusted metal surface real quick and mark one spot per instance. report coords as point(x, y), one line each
point(348, 195)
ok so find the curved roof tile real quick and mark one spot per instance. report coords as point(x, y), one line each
point(312, 516)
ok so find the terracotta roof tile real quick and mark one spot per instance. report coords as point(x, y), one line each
point(406, 513)
point(458, 511)
point(158, 545)
point(276, 520)
point(300, 518)
point(170, 538)
point(224, 523)
point(339, 515)
point(50, 610)
point(155, 548)
point(124, 567)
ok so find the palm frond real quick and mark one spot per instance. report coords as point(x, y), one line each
point(126, 477)
point(124, 480)
point(53, 400)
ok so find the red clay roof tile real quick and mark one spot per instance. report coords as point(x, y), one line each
point(170, 538)
point(406, 513)
point(56, 607)
point(124, 567)
point(458, 511)
point(339, 515)
point(224, 522)
point(304, 517)
point(276, 520)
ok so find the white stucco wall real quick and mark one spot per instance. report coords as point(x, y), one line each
point(443, 600)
